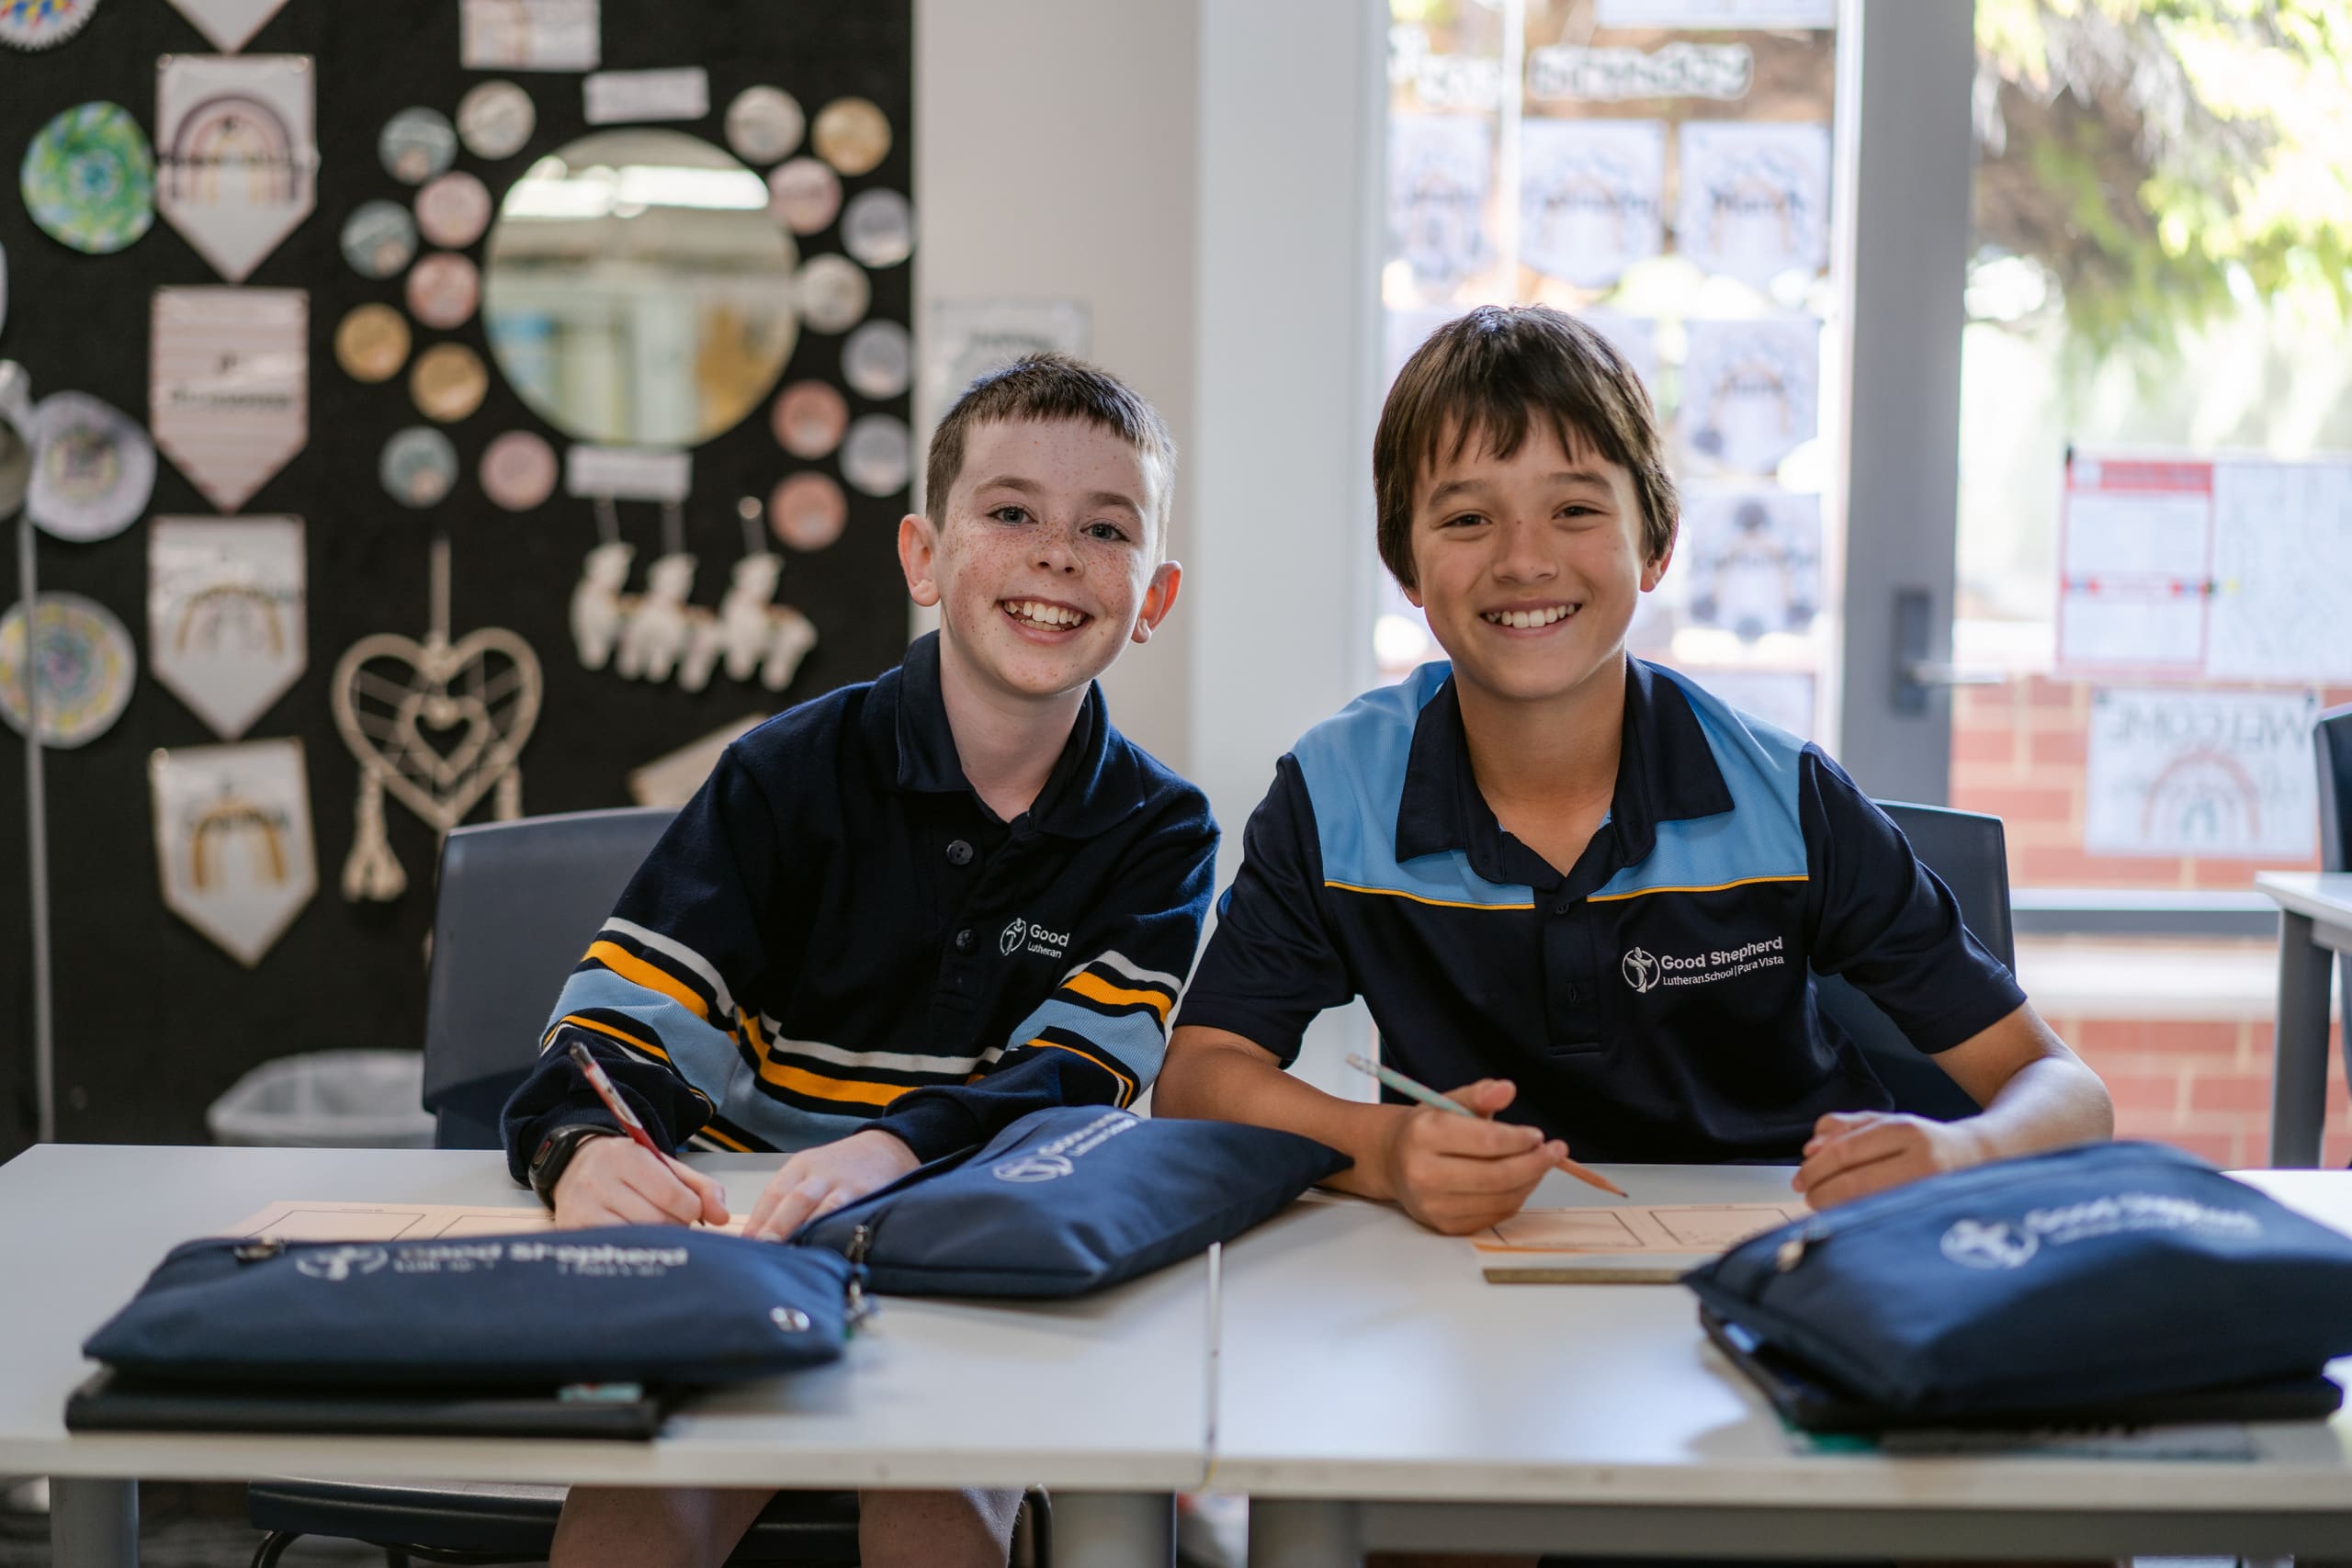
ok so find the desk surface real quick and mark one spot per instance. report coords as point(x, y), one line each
point(2320, 895)
point(1364, 1357)
point(930, 1393)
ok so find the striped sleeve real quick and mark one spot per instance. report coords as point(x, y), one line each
point(1097, 1038)
point(655, 995)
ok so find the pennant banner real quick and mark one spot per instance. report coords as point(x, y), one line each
point(232, 837)
point(230, 23)
point(237, 149)
point(230, 385)
point(225, 626)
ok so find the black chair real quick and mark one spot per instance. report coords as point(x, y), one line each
point(1968, 850)
point(517, 904)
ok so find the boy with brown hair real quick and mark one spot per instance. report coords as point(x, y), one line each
point(1581, 895)
point(903, 915)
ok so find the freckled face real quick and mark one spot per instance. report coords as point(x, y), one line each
point(1044, 567)
point(1528, 567)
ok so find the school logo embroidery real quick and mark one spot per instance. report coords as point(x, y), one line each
point(1646, 971)
point(1641, 970)
point(1041, 941)
point(1011, 939)
point(1034, 1167)
point(342, 1262)
point(1974, 1245)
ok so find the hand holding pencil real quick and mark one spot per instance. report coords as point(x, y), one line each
point(1459, 1170)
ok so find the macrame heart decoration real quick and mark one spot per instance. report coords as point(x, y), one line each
point(437, 724)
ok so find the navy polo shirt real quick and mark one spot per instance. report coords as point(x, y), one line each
point(1656, 1002)
point(837, 934)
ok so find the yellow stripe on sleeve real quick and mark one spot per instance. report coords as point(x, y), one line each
point(801, 1082)
point(1129, 1083)
point(629, 1040)
point(1095, 989)
point(638, 972)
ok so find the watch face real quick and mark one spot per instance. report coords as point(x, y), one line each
point(539, 1155)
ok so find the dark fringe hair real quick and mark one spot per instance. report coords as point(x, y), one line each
point(1486, 377)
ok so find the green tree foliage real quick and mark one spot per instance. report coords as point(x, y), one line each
point(2167, 161)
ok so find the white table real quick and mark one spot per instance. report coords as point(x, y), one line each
point(2315, 925)
point(1376, 1394)
point(1105, 1401)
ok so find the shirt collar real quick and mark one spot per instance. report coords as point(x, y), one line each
point(1666, 772)
point(1096, 780)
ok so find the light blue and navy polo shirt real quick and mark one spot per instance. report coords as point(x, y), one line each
point(1654, 1003)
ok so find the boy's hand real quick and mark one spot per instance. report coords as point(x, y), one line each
point(1854, 1154)
point(611, 1181)
point(1457, 1175)
point(819, 1180)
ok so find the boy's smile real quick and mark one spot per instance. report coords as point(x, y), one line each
point(1529, 566)
point(1045, 564)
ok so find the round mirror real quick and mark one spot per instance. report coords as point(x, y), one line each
point(638, 291)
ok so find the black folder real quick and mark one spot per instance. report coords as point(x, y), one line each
point(110, 1401)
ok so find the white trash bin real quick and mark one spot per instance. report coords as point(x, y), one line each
point(339, 1099)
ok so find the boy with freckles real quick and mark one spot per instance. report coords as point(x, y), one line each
point(1580, 895)
point(901, 916)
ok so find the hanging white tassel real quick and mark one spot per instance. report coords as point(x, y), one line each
point(372, 871)
point(508, 804)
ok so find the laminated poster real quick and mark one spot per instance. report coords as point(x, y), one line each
point(2176, 773)
point(234, 841)
point(1590, 197)
point(230, 386)
point(1751, 391)
point(1750, 559)
point(1440, 168)
point(225, 614)
point(1755, 199)
point(238, 154)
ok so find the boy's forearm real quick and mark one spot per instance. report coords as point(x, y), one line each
point(2047, 1104)
point(1213, 1075)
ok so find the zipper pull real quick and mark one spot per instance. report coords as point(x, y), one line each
point(860, 1240)
point(1791, 1253)
point(259, 1251)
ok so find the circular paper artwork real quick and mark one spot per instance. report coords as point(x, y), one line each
point(417, 144)
point(378, 239)
point(833, 292)
point(878, 360)
point(495, 121)
point(453, 210)
point(84, 661)
point(807, 512)
point(763, 124)
point(852, 135)
point(448, 382)
point(878, 456)
point(804, 195)
point(518, 470)
point(89, 179)
point(810, 418)
point(419, 467)
point(93, 468)
point(39, 24)
point(878, 228)
point(372, 342)
point(442, 290)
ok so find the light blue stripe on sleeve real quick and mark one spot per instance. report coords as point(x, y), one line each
point(1132, 1041)
point(702, 1055)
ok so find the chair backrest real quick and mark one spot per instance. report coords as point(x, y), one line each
point(2331, 748)
point(514, 906)
point(1968, 850)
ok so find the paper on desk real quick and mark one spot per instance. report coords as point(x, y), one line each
point(302, 1219)
point(1677, 1229)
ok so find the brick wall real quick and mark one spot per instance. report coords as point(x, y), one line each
point(2202, 1084)
point(2017, 750)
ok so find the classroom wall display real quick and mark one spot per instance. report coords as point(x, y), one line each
point(88, 179)
point(227, 631)
point(1591, 196)
point(93, 468)
point(233, 843)
point(230, 387)
point(2175, 773)
point(229, 24)
point(43, 24)
point(532, 35)
point(239, 153)
point(1441, 170)
point(82, 661)
point(1750, 558)
point(1754, 198)
point(1750, 392)
point(515, 552)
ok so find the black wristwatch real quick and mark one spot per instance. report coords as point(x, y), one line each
point(553, 1156)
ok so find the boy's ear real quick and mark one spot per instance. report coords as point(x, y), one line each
point(1159, 598)
point(917, 558)
point(1655, 572)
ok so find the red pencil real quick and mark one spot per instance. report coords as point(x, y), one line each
point(603, 1085)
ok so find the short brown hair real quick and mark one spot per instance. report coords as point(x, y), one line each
point(1048, 386)
point(1487, 375)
